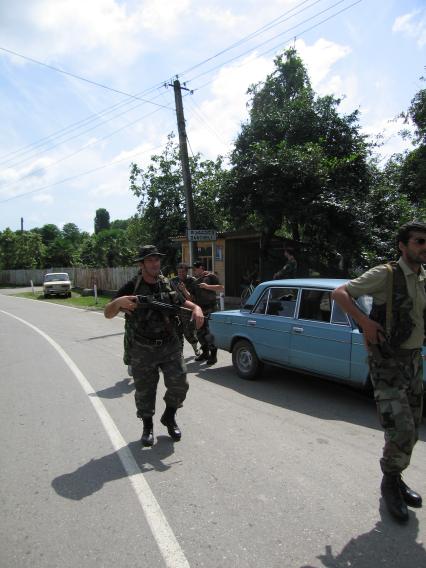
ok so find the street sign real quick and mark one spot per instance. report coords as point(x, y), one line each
point(202, 235)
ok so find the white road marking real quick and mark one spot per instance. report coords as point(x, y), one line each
point(161, 530)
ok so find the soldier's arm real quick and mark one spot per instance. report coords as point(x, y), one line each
point(123, 303)
point(369, 327)
point(197, 313)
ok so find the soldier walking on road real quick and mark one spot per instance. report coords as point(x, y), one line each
point(153, 342)
point(394, 333)
point(204, 291)
point(183, 283)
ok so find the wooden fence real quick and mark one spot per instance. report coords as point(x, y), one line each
point(104, 278)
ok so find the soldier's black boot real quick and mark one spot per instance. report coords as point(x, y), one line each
point(204, 355)
point(212, 358)
point(411, 497)
point(147, 439)
point(168, 420)
point(392, 496)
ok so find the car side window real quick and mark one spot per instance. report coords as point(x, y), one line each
point(338, 316)
point(278, 301)
point(315, 305)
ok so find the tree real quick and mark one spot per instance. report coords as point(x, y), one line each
point(162, 200)
point(413, 170)
point(101, 220)
point(20, 250)
point(298, 167)
point(71, 233)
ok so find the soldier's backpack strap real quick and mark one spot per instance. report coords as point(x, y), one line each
point(389, 299)
point(138, 281)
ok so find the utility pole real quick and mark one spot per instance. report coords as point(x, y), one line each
point(186, 174)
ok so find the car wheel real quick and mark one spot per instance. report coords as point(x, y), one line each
point(46, 295)
point(245, 360)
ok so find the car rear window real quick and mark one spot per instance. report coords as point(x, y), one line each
point(278, 301)
point(317, 305)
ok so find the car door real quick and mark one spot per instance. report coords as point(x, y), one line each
point(271, 321)
point(321, 336)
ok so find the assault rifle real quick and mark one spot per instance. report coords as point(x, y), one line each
point(170, 309)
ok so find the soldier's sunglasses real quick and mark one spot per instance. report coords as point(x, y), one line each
point(419, 240)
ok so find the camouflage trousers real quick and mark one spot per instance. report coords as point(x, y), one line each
point(147, 360)
point(205, 338)
point(398, 391)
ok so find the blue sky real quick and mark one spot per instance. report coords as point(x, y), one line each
point(66, 144)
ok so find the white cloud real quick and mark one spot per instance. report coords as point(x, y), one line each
point(45, 198)
point(320, 57)
point(217, 120)
point(413, 25)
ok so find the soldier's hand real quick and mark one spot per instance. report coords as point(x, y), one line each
point(127, 303)
point(373, 332)
point(203, 285)
point(198, 317)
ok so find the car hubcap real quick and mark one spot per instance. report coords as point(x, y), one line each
point(245, 360)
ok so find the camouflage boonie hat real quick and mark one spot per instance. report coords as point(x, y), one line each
point(148, 250)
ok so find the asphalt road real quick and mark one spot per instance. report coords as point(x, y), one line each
point(278, 473)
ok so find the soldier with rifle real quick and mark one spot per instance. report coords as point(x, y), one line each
point(151, 306)
point(394, 334)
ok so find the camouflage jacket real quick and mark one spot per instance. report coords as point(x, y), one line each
point(144, 323)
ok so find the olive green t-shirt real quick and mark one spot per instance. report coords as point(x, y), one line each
point(373, 282)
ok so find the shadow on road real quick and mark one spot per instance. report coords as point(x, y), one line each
point(92, 476)
point(300, 393)
point(121, 388)
point(388, 544)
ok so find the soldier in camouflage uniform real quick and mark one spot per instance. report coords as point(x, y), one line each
point(394, 334)
point(204, 290)
point(183, 283)
point(153, 343)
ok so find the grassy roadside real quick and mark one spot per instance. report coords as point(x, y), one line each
point(76, 300)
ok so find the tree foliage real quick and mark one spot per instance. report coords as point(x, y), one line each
point(101, 221)
point(162, 205)
point(299, 167)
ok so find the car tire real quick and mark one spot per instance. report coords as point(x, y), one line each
point(46, 295)
point(245, 360)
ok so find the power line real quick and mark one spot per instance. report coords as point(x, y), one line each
point(31, 148)
point(278, 35)
point(89, 145)
point(265, 27)
point(79, 175)
point(32, 155)
point(78, 77)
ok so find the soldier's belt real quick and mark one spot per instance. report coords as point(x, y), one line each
point(156, 342)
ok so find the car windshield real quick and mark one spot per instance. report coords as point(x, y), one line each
point(56, 277)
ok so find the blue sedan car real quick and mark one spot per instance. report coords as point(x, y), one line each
point(295, 324)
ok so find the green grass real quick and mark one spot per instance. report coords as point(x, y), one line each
point(76, 300)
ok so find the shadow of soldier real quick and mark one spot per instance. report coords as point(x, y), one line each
point(93, 475)
point(120, 388)
point(388, 544)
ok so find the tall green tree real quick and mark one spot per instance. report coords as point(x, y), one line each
point(101, 221)
point(299, 167)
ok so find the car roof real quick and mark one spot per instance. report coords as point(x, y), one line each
point(328, 283)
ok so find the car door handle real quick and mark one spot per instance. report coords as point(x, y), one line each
point(298, 329)
point(251, 322)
